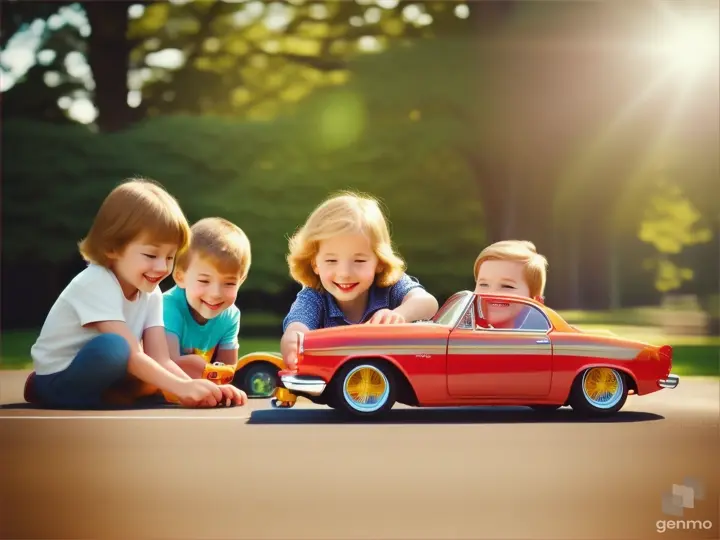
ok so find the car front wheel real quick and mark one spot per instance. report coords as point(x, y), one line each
point(260, 380)
point(599, 391)
point(364, 390)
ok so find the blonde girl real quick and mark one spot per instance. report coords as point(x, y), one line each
point(344, 259)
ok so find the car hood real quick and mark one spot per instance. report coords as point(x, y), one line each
point(377, 334)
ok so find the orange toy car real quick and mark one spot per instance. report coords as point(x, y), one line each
point(216, 372)
point(477, 350)
point(255, 373)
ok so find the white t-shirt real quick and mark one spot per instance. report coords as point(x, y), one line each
point(93, 295)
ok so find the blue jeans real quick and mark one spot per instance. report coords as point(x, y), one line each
point(101, 363)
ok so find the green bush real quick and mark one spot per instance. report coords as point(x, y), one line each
point(266, 177)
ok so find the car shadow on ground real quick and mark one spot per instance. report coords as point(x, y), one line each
point(450, 415)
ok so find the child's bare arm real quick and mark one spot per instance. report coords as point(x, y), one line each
point(409, 302)
point(288, 343)
point(191, 364)
point(157, 346)
point(417, 305)
point(147, 369)
point(229, 357)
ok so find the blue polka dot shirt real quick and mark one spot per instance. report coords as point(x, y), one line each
point(317, 309)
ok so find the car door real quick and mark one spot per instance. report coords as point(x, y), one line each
point(515, 361)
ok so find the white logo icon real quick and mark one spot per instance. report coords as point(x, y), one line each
point(682, 496)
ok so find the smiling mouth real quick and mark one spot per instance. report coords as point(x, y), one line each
point(345, 287)
point(214, 307)
point(152, 279)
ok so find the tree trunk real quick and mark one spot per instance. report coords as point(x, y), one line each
point(594, 262)
point(563, 282)
point(109, 58)
point(519, 210)
point(615, 283)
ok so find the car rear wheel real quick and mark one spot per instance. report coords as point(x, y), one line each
point(364, 390)
point(599, 391)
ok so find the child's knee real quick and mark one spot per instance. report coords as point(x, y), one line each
point(113, 350)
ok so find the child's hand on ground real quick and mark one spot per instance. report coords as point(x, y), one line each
point(199, 393)
point(232, 396)
point(386, 316)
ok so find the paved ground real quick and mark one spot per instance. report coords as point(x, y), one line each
point(299, 473)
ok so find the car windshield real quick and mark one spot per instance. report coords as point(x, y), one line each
point(451, 311)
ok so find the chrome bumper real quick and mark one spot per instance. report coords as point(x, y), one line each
point(313, 386)
point(671, 381)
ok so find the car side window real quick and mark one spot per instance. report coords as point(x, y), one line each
point(534, 321)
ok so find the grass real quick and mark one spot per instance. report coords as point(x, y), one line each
point(625, 316)
point(696, 360)
point(649, 334)
point(693, 355)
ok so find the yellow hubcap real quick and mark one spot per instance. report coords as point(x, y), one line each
point(366, 385)
point(601, 385)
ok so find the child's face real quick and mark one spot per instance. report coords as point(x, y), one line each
point(142, 265)
point(209, 291)
point(501, 277)
point(346, 265)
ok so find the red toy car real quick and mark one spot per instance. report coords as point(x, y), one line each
point(477, 350)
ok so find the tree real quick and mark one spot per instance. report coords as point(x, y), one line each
point(671, 223)
point(108, 55)
point(104, 44)
point(40, 92)
point(234, 58)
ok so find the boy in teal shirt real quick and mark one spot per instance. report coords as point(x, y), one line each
point(195, 338)
point(200, 316)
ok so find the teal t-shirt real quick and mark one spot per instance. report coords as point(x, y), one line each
point(201, 339)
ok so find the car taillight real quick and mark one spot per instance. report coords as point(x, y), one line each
point(300, 346)
point(665, 353)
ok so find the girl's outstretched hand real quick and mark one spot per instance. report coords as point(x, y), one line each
point(289, 344)
point(290, 354)
point(386, 316)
